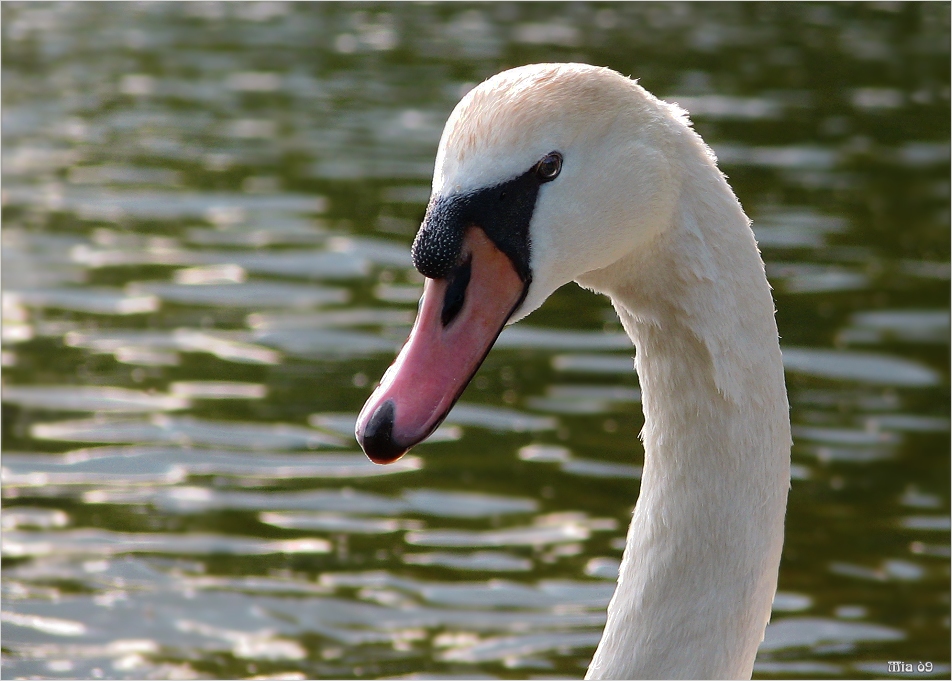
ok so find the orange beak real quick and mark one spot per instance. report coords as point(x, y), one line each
point(458, 321)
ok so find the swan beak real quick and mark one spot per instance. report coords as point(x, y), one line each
point(459, 318)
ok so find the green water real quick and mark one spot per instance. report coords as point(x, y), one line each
point(207, 212)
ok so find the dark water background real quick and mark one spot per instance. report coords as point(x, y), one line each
point(207, 210)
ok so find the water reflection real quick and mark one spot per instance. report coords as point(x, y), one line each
point(160, 428)
point(482, 561)
point(91, 398)
point(207, 216)
point(125, 465)
point(101, 542)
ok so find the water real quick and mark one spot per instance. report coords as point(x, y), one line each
point(207, 215)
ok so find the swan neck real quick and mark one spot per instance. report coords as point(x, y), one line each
point(700, 566)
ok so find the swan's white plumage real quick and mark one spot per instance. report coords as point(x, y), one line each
point(642, 214)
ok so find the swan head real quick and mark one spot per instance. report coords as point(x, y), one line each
point(544, 173)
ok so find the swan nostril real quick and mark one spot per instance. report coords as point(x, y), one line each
point(456, 292)
point(377, 438)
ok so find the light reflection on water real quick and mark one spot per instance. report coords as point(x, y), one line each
point(207, 217)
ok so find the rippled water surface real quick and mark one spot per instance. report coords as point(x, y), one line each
point(207, 212)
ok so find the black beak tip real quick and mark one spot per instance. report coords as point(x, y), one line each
point(377, 437)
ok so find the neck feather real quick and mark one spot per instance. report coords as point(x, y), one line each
point(700, 568)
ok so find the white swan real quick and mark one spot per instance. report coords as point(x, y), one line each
point(557, 172)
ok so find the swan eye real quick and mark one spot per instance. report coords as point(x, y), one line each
point(549, 168)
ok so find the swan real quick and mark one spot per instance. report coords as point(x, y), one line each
point(550, 173)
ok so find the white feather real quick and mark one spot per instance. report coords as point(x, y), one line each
point(642, 214)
